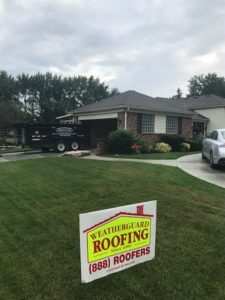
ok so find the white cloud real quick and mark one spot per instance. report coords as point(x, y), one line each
point(150, 46)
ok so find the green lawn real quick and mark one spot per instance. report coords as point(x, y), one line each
point(39, 235)
point(169, 155)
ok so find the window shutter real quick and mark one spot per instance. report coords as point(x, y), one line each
point(180, 126)
point(139, 122)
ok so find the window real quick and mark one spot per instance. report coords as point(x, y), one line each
point(214, 135)
point(223, 134)
point(172, 125)
point(147, 123)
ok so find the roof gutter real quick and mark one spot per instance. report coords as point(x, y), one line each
point(115, 108)
point(65, 116)
point(206, 107)
point(98, 110)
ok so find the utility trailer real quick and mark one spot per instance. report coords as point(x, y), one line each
point(59, 137)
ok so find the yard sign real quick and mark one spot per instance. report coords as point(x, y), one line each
point(112, 240)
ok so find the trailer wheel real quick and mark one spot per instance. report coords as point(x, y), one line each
point(61, 147)
point(74, 146)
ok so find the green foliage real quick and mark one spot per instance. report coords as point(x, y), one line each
point(178, 94)
point(173, 140)
point(145, 147)
point(162, 148)
point(207, 84)
point(43, 97)
point(185, 147)
point(9, 140)
point(120, 141)
point(196, 145)
point(10, 113)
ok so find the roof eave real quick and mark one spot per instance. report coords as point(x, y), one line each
point(162, 111)
point(205, 107)
point(134, 109)
point(98, 110)
point(64, 116)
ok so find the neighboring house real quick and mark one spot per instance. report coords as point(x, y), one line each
point(209, 107)
point(144, 116)
point(147, 117)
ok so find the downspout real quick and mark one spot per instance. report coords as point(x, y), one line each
point(125, 119)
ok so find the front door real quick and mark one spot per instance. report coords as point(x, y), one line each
point(198, 129)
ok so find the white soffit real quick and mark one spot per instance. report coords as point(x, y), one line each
point(98, 117)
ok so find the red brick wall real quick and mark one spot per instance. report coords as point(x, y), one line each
point(187, 127)
point(132, 125)
point(120, 120)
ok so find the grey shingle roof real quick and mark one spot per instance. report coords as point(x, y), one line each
point(205, 101)
point(134, 100)
point(199, 117)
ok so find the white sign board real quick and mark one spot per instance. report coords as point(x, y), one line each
point(113, 240)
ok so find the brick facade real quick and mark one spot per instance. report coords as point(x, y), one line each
point(187, 127)
point(132, 125)
point(121, 120)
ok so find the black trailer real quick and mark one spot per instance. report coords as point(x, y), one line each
point(59, 137)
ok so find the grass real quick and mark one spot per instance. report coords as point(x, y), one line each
point(39, 232)
point(169, 155)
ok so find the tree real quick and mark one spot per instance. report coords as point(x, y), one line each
point(10, 113)
point(207, 84)
point(178, 94)
point(10, 106)
point(43, 97)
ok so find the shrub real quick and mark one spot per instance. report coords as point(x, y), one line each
point(185, 147)
point(173, 140)
point(162, 147)
point(136, 148)
point(10, 141)
point(144, 146)
point(120, 141)
point(196, 145)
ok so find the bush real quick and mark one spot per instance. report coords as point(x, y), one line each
point(196, 145)
point(162, 147)
point(173, 140)
point(185, 147)
point(10, 141)
point(144, 146)
point(120, 141)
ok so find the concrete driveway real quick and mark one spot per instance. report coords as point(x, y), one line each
point(195, 166)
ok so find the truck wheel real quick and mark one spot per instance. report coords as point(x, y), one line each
point(61, 147)
point(74, 146)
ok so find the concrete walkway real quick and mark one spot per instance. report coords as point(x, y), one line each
point(195, 166)
point(2, 159)
point(166, 162)
point(26, 155)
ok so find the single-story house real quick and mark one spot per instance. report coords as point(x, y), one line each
point(210, 107)
point(145, 116)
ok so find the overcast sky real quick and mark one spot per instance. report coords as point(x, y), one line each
point(151, 46)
